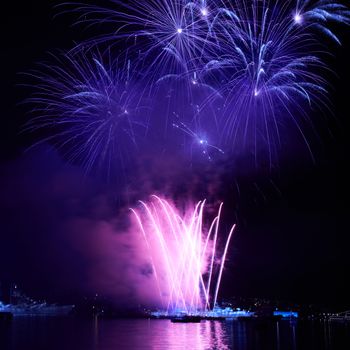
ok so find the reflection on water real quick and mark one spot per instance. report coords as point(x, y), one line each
point(161, 334)
point(206, 335)
point(77, 334)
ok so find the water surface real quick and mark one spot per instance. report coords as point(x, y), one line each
point(77, 334)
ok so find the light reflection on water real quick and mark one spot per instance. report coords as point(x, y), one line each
point(206, 335)
point(162, 334)
point(77, 334)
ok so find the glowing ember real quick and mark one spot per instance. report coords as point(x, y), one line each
point(183, 255)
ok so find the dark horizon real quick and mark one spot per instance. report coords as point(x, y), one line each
point(292, 237)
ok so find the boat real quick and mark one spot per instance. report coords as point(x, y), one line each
point(21, 305)
point(36, 309)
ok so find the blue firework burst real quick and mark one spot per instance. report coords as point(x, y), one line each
point(90, 110)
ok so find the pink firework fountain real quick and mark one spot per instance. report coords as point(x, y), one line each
point(184, 254)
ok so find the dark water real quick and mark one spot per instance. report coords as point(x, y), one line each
point(76, 334)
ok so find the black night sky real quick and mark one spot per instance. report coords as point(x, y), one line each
point(292, 240)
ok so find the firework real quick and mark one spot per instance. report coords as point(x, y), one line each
point(266, 70)
point(184, 255)
point(90, 110)
point(238, 72)
point(318, 14)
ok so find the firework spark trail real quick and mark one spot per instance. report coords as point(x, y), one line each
point(222, 266)
point(207, 149)
point(319, 14)
point(169, 37)
point(213, 256)
point(92, 108)
point(182, 253)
